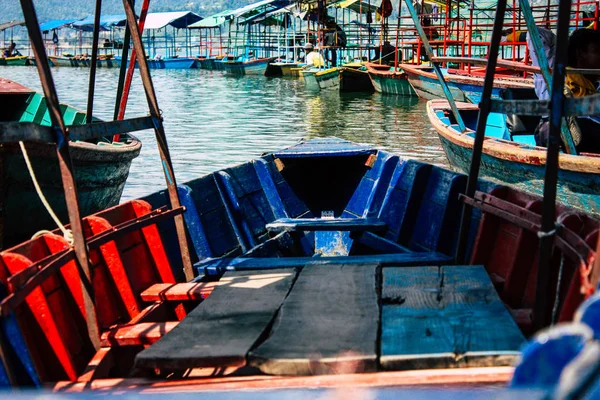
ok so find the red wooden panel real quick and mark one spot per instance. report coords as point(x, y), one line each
point(155, 244)
point(117, 271)
point(144, 333)
point(52, 315)
point(178, 291)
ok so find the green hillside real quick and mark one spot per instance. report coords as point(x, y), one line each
point(61, 9)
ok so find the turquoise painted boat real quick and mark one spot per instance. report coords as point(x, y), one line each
point(464, 87)
point(101, 168)
point(389, 81)
point(241, 66)
point(166, 63)
point(63, 61)
point(515, 159)
point(13, 61)
point(321, 79)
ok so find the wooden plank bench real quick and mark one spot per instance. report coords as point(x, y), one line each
point(224, 327)
point(440, 317)
point(328, 324)
point(325, 224)
point(190, 291)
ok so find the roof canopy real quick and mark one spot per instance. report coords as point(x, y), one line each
point(256, 10)
point(213, 21)
point(177, 19)
point(7, 25)
point(357, 6)
point(106, 22)
point(55, 24)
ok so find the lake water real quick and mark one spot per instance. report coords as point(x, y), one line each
point(213, 121)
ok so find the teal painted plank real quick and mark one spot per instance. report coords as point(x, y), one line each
point(328, 324)
point(443, 317)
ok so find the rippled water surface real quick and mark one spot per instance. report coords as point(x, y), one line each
point(214, 121)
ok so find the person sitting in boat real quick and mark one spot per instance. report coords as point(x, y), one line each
point(313, 56)
point(11, 51)
point(584, 53)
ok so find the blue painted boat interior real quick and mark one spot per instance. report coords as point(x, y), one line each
point(229, 212)
point(496, 126)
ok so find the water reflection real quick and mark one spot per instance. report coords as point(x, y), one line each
point(214, 121)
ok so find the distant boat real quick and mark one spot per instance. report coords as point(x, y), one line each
point(354, 77)
point(387, 80)
point(516, 159)
point(16, 60)
point(464, 87)
point(321, 79)
point(282, 68)
point(101, 167)
point(68, 61)
point(167, 63)
point(241, 66)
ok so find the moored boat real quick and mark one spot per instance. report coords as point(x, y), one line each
point(387, 80)
point(321, 79)
point(102, 168)
point(515, 159)
point(16, 60)
point(464, 87)
point(76, 61)
point(166, 63)
point(281, 68)
point(383, 304)
point(246, 67)
point(355, 78)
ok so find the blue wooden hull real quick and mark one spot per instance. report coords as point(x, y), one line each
point(167, 63)
point(325, 236)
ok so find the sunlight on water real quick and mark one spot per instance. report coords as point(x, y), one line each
point(214, 121)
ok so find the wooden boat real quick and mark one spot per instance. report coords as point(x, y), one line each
point(355, 78)
point(515, 159)
point(464, 87)
point(102, 168)
point(207, 63)
point(167, 63)
point(62, 61)
point(386, 80)
point(321, 79)
point(246, 67)
point(327, 258)
point(281, 68)
point(16, 60)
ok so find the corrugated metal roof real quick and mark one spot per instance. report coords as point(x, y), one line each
point(106, 22)
point(213, 21)
point(55, 24)
point(177, 19)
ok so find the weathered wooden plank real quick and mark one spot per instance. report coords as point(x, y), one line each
point(223, 328)
point(137, 334)
point(328, 324)
point(178, 291)
point(443, 317)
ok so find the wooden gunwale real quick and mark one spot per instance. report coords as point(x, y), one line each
point(418, 70)
point(453, 376)
point(506, 150)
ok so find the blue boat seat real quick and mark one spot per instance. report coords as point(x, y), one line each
point(422, 211)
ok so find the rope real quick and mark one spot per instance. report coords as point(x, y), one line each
point(557, 294)
point(68, 235)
